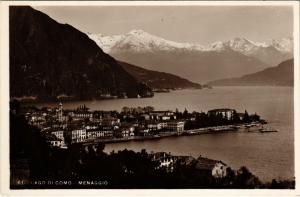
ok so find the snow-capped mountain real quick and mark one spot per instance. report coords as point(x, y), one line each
point(243, 45)
point(221, 59)
point(248, 47)
point(105, 42)
point(283, 44)
point(141, 41)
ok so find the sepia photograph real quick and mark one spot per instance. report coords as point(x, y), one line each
point(159, 95)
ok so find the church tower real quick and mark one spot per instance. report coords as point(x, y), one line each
point(60, 112)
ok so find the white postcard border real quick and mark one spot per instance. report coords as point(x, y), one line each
point(4, 101)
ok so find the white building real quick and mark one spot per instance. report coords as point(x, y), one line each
point(59, 134)
point(144, 131)
point(153, 126)
point(110, 121)
point(81, 115)
point(96, 133)
point(57, 143)
point(228, 113)
point(78, 135)
point(163, 125)
point(219, 170)
point(161, 115)
point(175, 126)
point(165, 160)
point(54, 141)
point(127, 132)
point(165, 118)
point(60, 115)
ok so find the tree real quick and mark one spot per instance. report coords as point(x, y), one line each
point(235, 117)
point(185, 113)
point(27, 142)
point(68, 140)
point(230, 175)
point(219, 119)
point(149, 109)
point(245, 179)
point(86, 120)
point(255, 117)
point(70, 119)
point(126, 109)
point(100, 148)
point(212, 119)
point(246, 117)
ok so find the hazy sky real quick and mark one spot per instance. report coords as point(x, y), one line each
point(201, 24)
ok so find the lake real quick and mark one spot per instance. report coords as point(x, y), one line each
point(267, 155)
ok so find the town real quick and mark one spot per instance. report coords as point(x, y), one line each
point(70, 144)
point(62, 127)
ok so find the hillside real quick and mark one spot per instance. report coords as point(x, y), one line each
point(196, 66)
point(158, 80)
point(281, 75)
point(50, 60)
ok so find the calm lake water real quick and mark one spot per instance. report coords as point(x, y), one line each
point(267, 155)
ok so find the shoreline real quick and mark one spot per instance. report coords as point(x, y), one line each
point(32, 100)
point(38, 102)
point(199, 131)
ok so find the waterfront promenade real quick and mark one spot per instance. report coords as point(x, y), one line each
point(249, 127)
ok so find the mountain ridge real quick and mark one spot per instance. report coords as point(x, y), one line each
point(159, 81)
point(196, 66)
point(280, 75)
point(49, 59)
point(284, 44)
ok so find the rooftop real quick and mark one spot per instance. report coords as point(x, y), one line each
point(221, 110)
point(51, 137)
point(206, 164)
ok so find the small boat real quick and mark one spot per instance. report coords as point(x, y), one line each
point(267, 130)
point(161, 90)
point(191, 132)
point(234, 127)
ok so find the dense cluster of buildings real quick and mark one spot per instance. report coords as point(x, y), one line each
point(62, 127)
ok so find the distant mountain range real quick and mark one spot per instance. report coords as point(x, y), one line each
point(227, 59)
point(49, 60)
point(271, 53)
point(281, 75)
point(143, 41)
point(158, 81)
